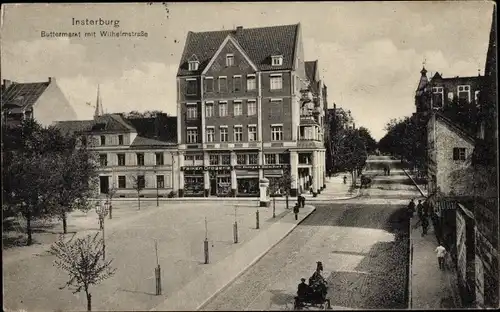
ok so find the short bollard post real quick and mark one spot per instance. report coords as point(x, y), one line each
point(205, 243)
point(257, 219)
point(235, 232)
point(158, 280)
point(274, 207)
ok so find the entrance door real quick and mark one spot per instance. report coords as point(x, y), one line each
point(213, 187)
point(104, 184)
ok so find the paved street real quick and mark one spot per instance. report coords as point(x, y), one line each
point(362, 243)
point(31, 282)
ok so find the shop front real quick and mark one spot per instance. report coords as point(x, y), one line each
point(220, 183)
point(193, 182)
point(247, 181)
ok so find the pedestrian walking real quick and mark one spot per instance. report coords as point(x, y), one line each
point(385, 171)
point(296, 211)
point(389, 171)
point(425, 224)
point(420, 209)
point(441, 253)
point(345, 179)
point(411, 208)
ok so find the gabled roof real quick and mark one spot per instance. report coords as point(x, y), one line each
point(142, 141)
point(104, 123)
point(23, 95)
point(258, 43)
point(455, 127)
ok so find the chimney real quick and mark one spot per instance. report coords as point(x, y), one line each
point(52, 79)
point(239, 28)
point(6, 84)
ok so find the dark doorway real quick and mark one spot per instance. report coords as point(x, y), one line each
point(213, 187)
point(104, 184)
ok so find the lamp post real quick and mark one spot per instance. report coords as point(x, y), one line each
point(157, 195)
point(102, 210)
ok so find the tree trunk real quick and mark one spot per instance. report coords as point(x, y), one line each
point(286, 195)
point(353, 177)
point(28, 227)
point(89, 300)
point(65, 222)
point(139, 200)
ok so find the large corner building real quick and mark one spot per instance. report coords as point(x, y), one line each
point(241, 116)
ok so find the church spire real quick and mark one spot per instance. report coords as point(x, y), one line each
point(98, 105)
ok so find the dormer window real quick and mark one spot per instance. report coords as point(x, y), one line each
point(229, 60)
point(277, 60)
point(193, 65)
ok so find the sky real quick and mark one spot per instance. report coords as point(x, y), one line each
point(370, 53)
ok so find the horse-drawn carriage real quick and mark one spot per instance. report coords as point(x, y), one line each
point(314, 294)
point(366, 181)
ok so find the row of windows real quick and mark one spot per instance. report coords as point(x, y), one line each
point(245, 159)
point(277, 60)
point(222, 85)
point(141, 181)
point(103, 139)
point(192, 109)
point(463, 93)
point(103, 159)
point(192, 134)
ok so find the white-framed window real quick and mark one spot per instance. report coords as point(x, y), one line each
point(459, 153)
point(192, 111)
point(277, 133)
point(251, 107)
point(253, 159)
point(122, 182)
point(191, 86)
point(237, 108)
point(437, 96)
point(214, 160)
point(225, 159)
point(140, 159)
point(209, 84)
point(222, 109)
point(276, 82)
point(241, 159)
point(193, 65)
point(223, 134)
point(209, 109)
point(237, 83)
point(192, 135)
point(103, 160)
point(251, 82)
point(252, 133)
point(463, 93)
point(270, 159)
point(238, 133)
point(277, 60)
point(223, 84)
point(210, 134)
point(229, 60)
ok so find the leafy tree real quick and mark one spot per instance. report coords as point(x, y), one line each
point(82, 260)
point(339, 120)
point(350, 152)
point(370, 142)
point(138, 183)
point(145, 114)
point(282, 185)
point(75, 177)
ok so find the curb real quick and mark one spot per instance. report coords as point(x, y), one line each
point(415, 183)
point(254, 261)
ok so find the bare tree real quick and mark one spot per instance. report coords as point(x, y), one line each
point(139, 183)
point(111, 193)
point(82, 259)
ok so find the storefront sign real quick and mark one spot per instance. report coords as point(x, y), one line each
point(205, 168)
point(238, 167)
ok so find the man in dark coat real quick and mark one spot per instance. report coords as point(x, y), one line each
point(302, 289)
point(296, 211)
point(411, 208)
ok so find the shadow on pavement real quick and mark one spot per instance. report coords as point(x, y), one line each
point(136, 292)
point(281, 298)
point(379, 280)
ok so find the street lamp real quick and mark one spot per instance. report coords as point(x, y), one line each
point(157, 196)
point(102, 210)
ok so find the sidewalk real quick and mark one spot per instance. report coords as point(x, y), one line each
point(336, 189)
point(431, 288)
point(200, 290)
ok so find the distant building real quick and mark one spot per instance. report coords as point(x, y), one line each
point(131, 151)
point(241, 115)
point(42, 101)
